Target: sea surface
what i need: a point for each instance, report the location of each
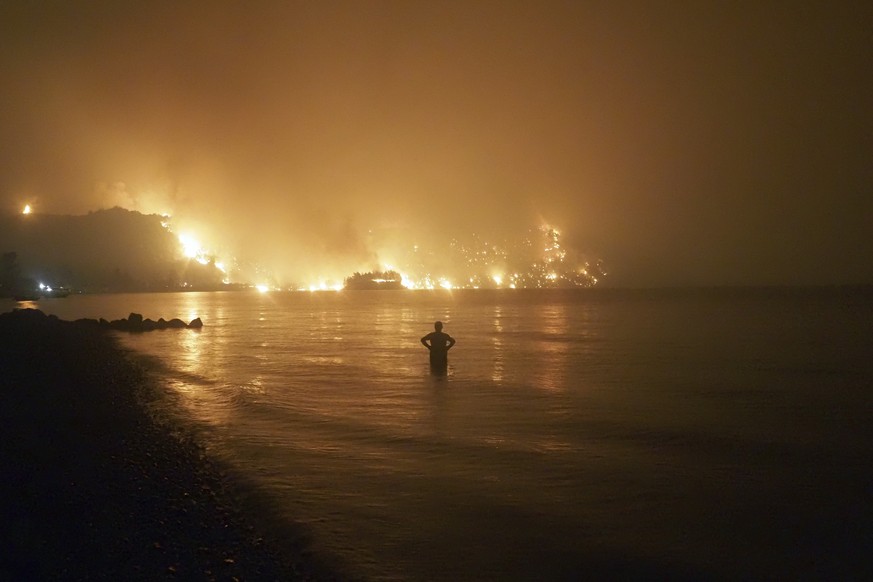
(701, 434)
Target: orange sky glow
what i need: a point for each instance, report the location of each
(678, 143)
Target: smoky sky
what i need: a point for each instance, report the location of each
(681, 142)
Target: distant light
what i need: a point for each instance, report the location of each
(27, 209)
(498, 279)
(262, 288)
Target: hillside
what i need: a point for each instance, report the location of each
(106, 250)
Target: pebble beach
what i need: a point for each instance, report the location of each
(94, 488)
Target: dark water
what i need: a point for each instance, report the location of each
(699, 434)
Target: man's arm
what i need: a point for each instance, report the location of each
(451, 343)
(424, 341)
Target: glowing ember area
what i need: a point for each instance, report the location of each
(27, 209)
(324, 286)
(538, 260)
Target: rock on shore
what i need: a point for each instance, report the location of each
(93, 488)
(136, 323)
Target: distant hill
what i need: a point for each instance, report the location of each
(106, 250)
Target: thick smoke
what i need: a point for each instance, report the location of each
(680, 144)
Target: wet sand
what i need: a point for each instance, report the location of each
(93, 487)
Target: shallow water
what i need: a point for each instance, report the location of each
(705, 434)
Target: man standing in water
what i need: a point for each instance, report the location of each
(439, 344)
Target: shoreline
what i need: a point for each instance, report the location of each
(95, 488)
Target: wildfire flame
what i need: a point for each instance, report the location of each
(537, 260)
(192, 248)
(27, 209)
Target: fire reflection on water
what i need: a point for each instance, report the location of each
(199, 353)
(497, 341)
(554, 346)
(531, 466)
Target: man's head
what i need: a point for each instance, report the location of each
(438, 325)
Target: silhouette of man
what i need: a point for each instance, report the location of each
(439, 344)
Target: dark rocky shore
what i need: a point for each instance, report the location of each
(93, 488)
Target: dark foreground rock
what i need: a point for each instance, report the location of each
(136, 323)
(91, 487)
